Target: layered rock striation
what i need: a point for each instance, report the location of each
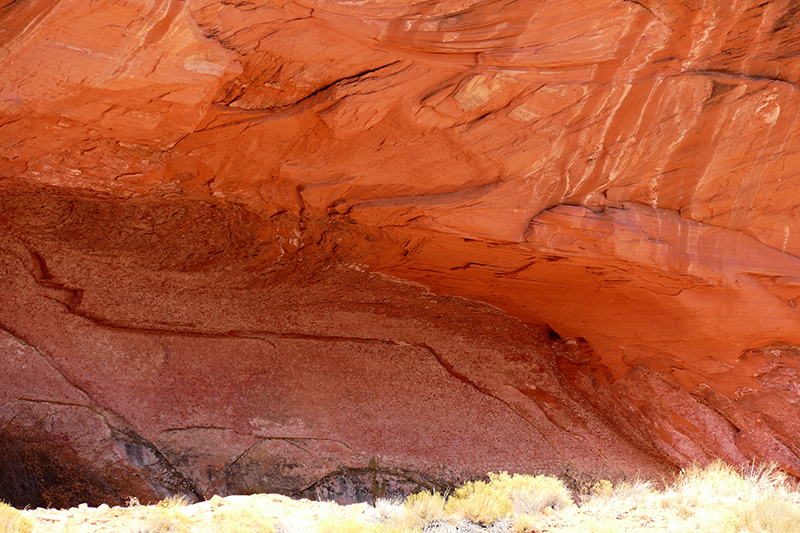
(340, 249)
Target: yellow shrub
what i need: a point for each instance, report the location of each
(12, 521)
(531, 494)
(603, 489)
(240, 519)
(166, 520)
(504, 495)
(421, 509)
(173, 502)
(480, 502)
(772, 514)
(525, 523)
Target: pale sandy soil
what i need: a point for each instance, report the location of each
(714, 499)
(593, 520)
(288, 514)
(300, 516)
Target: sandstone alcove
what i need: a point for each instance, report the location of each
(337, 249)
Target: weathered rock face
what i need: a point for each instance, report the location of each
(338, 248)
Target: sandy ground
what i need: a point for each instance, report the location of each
(288, 514)
(301, 516)
(713, 499)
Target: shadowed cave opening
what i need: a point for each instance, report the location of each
(356, 485)
(39, 471)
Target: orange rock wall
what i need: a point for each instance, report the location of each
(622, 173)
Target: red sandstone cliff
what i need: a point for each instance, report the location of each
(291, 246)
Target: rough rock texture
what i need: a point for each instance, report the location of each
(343, 248)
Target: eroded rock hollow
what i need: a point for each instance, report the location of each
(345, 249)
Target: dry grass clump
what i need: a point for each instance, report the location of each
(718, 499)
(503, 495)
(12, 521)
(426, 505)
(161, 520)
(770, 514)
(421, 509)
(165, 517)
(606, 494)
(386, 509)
(525, 523)
(479, 502)
(410, 516)
(348, 525)
(713, 499)
(241, 520)
(477, 505)
(531, 494)
(173, 502)
(355, 525)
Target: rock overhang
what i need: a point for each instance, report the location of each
(623, 174)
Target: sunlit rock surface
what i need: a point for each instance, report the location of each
(343, 248)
